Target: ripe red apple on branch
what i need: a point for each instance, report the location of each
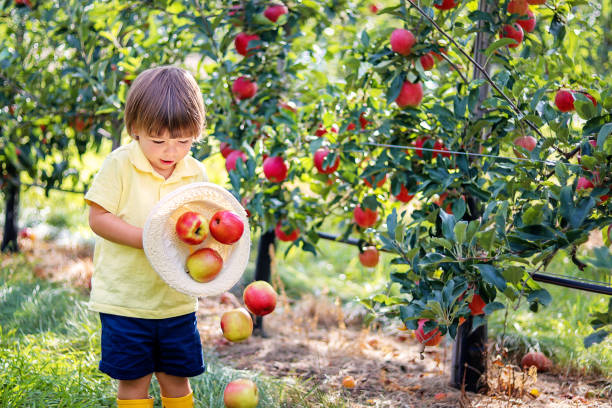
(226, 227)
(514, 32)
(365, 218)
(404, 196)
(518, 7)
(241, 393)
(275, 169)
(244, 88)
(445, 4)
(411, 95)
(192, 228)
(241, 42)
(564, 100)
(290, 237)
(477, 305)
(430, 338)
(319, 160)
(526, 142)
(204, 264)
(402, 41)
(369, 257)
(225, 149)
(528, 22)
(230, 161)
(260, 298)
(273, 12)
(236, 325)
(427, 61)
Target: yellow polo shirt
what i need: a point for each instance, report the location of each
(123, 282)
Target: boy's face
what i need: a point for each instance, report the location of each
(162, 152)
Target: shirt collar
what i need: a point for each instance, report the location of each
(140, 161)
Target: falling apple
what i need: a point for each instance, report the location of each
(275, 169)
(260, 298)
(192, 228)
(241, 393)
(369, 257)
(226, 227)
(204, 264)
(236, 325)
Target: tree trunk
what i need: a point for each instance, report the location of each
(11, 215)
(470, 350)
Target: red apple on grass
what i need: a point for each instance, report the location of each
(290, 237)
(241, 393)
(528, 22)
(410, 95)
(275, 169)
(431, 338)
(365, 218)
(260, 298)
(243, 88)
(514, 32)
(477, 305)
(526, 142)
(192, 228)
(230, 160)
(369, 257)
(402, 41)
(226, 227)
(445, 4)
(204, 264)
(236, 325)
(564, 100)
(273, 12)
(319, 160)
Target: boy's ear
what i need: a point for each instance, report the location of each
(135, 137)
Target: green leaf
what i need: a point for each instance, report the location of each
(486, 239)
(541, 296)
(513, 274)
(395, 88)
(603, 134)
(448, 225)
(492, 307)
(497, 45)
(459, 230)
(491, 275)
(596, 337)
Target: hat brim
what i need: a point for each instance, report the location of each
(168, 254)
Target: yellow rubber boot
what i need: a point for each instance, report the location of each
(135, 403)
(182, 402)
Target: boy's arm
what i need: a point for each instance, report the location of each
(113, 228)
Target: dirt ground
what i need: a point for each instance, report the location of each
(320, 343)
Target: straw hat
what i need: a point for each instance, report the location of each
(168, 254)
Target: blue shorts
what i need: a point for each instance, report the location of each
(134, 347)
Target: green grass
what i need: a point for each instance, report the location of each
(49, 353)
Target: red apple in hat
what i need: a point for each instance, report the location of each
(292, 236)
(192, 228)
(273, 12)
(410, 95)
(275, 169)
(402, 41)
(260, 298)
(226, 227)
(230, 161)
(319, 160)
(243, 88)
(241, 393)
(365, 218)
(204, 264)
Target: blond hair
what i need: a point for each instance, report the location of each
(163, 99)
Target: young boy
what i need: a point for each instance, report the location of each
(147, 327)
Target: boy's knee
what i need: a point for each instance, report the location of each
(134, 389)
(173, 386)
